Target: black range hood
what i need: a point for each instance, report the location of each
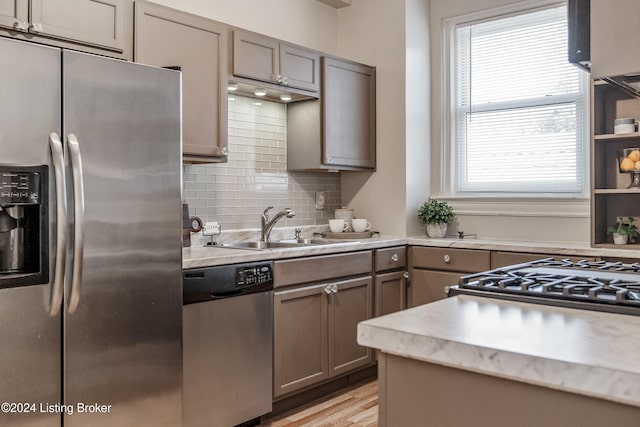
(579, 22)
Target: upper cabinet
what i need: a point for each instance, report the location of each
(170, 38)
(97, 26)
(337, 132)
(615, 37)
(268, 60)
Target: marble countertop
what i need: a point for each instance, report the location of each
(585, 352)
(560, 248)
(202, 256)
(207, 256)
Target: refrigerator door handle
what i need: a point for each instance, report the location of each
(57, 286)
(78, 210)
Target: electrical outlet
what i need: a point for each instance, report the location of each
(211, 229)
(320, 199)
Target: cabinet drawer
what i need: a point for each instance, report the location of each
(390, 258)
(463, 260)
(314, 269)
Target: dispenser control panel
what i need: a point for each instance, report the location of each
(19, 188)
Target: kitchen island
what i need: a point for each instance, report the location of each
(486, 362)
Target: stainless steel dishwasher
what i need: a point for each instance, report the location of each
(227, 344)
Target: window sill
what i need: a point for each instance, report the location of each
(519, 207)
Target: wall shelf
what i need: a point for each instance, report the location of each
(610, 197)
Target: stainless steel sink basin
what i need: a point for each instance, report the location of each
(260, 245)
(282, 244)
(306, 241)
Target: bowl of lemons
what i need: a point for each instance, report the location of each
(629, 162)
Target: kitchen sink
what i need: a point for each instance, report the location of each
(283, 244)
(260, 245)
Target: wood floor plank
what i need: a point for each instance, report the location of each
(354, 407)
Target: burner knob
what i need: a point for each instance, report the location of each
(446, 258)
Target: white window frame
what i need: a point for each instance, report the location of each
(564, 204)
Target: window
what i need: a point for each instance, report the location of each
(517, 107)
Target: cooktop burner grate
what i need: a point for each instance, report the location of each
(563, 281)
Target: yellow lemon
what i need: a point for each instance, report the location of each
(627, 164)
(634, 155)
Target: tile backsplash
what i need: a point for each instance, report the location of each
(235, 193)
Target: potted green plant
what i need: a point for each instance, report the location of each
(436, 215)
(622, 230)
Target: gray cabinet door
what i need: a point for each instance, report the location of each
(428, 285)
(348, 114)
(168, 37)
(300, 339)
(14, 14)
(391, 291)
(350, 302)
(255, 56)
(95, 22)
(615, 38)
(300, 67)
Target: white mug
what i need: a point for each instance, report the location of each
(359, 225)
(338, 225)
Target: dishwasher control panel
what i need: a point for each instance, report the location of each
(254, 275)
(226, 281)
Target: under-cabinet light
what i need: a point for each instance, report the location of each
(260, 92)
(232, 86)
(285, 98)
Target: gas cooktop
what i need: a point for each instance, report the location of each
(592, 285)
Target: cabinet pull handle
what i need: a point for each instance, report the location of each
(395, 257)
(21, 25)
(334, 288)
(327, 289)
(405, 275)
(446, 258)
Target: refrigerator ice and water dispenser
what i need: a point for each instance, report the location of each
(23, 225)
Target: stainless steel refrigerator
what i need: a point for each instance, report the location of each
(90, 240)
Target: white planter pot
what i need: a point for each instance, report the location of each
(619, 239)
(437, 230)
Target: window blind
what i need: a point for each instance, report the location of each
(518, 113)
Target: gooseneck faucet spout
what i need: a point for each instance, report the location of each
(267, 224)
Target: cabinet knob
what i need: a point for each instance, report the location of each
(278, 78)
(327, 289)
(334, 288)
(36, 27)
(446, 258)
(405, 275)
(285, 81)
(395, 257)
(224, 151)
(579, 52)
(21, 25)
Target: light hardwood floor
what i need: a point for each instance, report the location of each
(354, 407)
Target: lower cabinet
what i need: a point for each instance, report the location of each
(432, 269)
(390, 280)
(315, 332)
(391, 292)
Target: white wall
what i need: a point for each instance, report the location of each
(392, 35)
